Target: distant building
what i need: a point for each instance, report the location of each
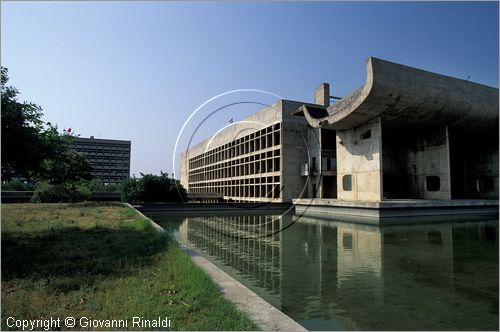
(110, 159)
(405, 134)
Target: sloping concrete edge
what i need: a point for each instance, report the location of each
(257, 309)
(155, 225)
(267, 317)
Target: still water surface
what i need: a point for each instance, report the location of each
(330, 275)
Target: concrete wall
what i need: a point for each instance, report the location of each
(294, 152)
(256, 121)
(432, 159)
(360, 158)
(184, 171)
(293, 147)
(410, 156)
(322, 94)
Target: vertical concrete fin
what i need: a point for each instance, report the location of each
(322, 95)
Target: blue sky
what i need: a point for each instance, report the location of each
(137, 70)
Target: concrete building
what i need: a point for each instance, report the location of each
(405, 134)
(412, 134)
(110, 159)
(259, 159)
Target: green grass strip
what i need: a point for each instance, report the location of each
(103, 261)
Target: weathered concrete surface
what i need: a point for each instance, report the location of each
(397, 203)
(292, 150)
(362, 160)
(322, 94)
(376, 212)
(425, 123)
(403, 95)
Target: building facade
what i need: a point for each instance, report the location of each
(405, 134)
(258, 159)
(109, 159)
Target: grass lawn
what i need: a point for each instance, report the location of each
(103, 261)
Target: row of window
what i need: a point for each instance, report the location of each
(236, 182)
(103, 159)
(108, 174)
(260, 140)
(240, 191)
(106, 146)
(237, 162)
(98, 164)
(265, 185)
(257, 168)
(104, 153)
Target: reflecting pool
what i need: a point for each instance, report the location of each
(330, 275)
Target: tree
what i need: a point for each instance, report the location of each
(64, 167)
(23, 133)
(68, 170)
(153, 188)
(36, 150)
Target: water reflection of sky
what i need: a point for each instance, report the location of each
(331, 275)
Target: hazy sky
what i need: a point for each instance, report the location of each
(137, 70)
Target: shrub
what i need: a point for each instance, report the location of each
(153, 188)
(95, 185)
(17, 185)
(131, 190)
(55, 193)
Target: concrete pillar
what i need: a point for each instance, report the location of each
(322, 94)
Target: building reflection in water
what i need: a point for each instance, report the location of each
(337, 275)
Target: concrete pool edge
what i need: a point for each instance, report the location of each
(258, 310)
(266, 316)
(388, 211)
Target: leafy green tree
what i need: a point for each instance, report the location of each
(68, 170)
(23, 135)
(153, 188)
(131, 190)
(36, 150)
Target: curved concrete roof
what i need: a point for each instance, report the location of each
(402, 95)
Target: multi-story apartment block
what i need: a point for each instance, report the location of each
(110, 159)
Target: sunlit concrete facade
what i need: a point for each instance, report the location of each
(412, 134)
(109, 158)
(259, 159)
(405, 134)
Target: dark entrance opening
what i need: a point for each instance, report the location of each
(329, 186)
(473, 164)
